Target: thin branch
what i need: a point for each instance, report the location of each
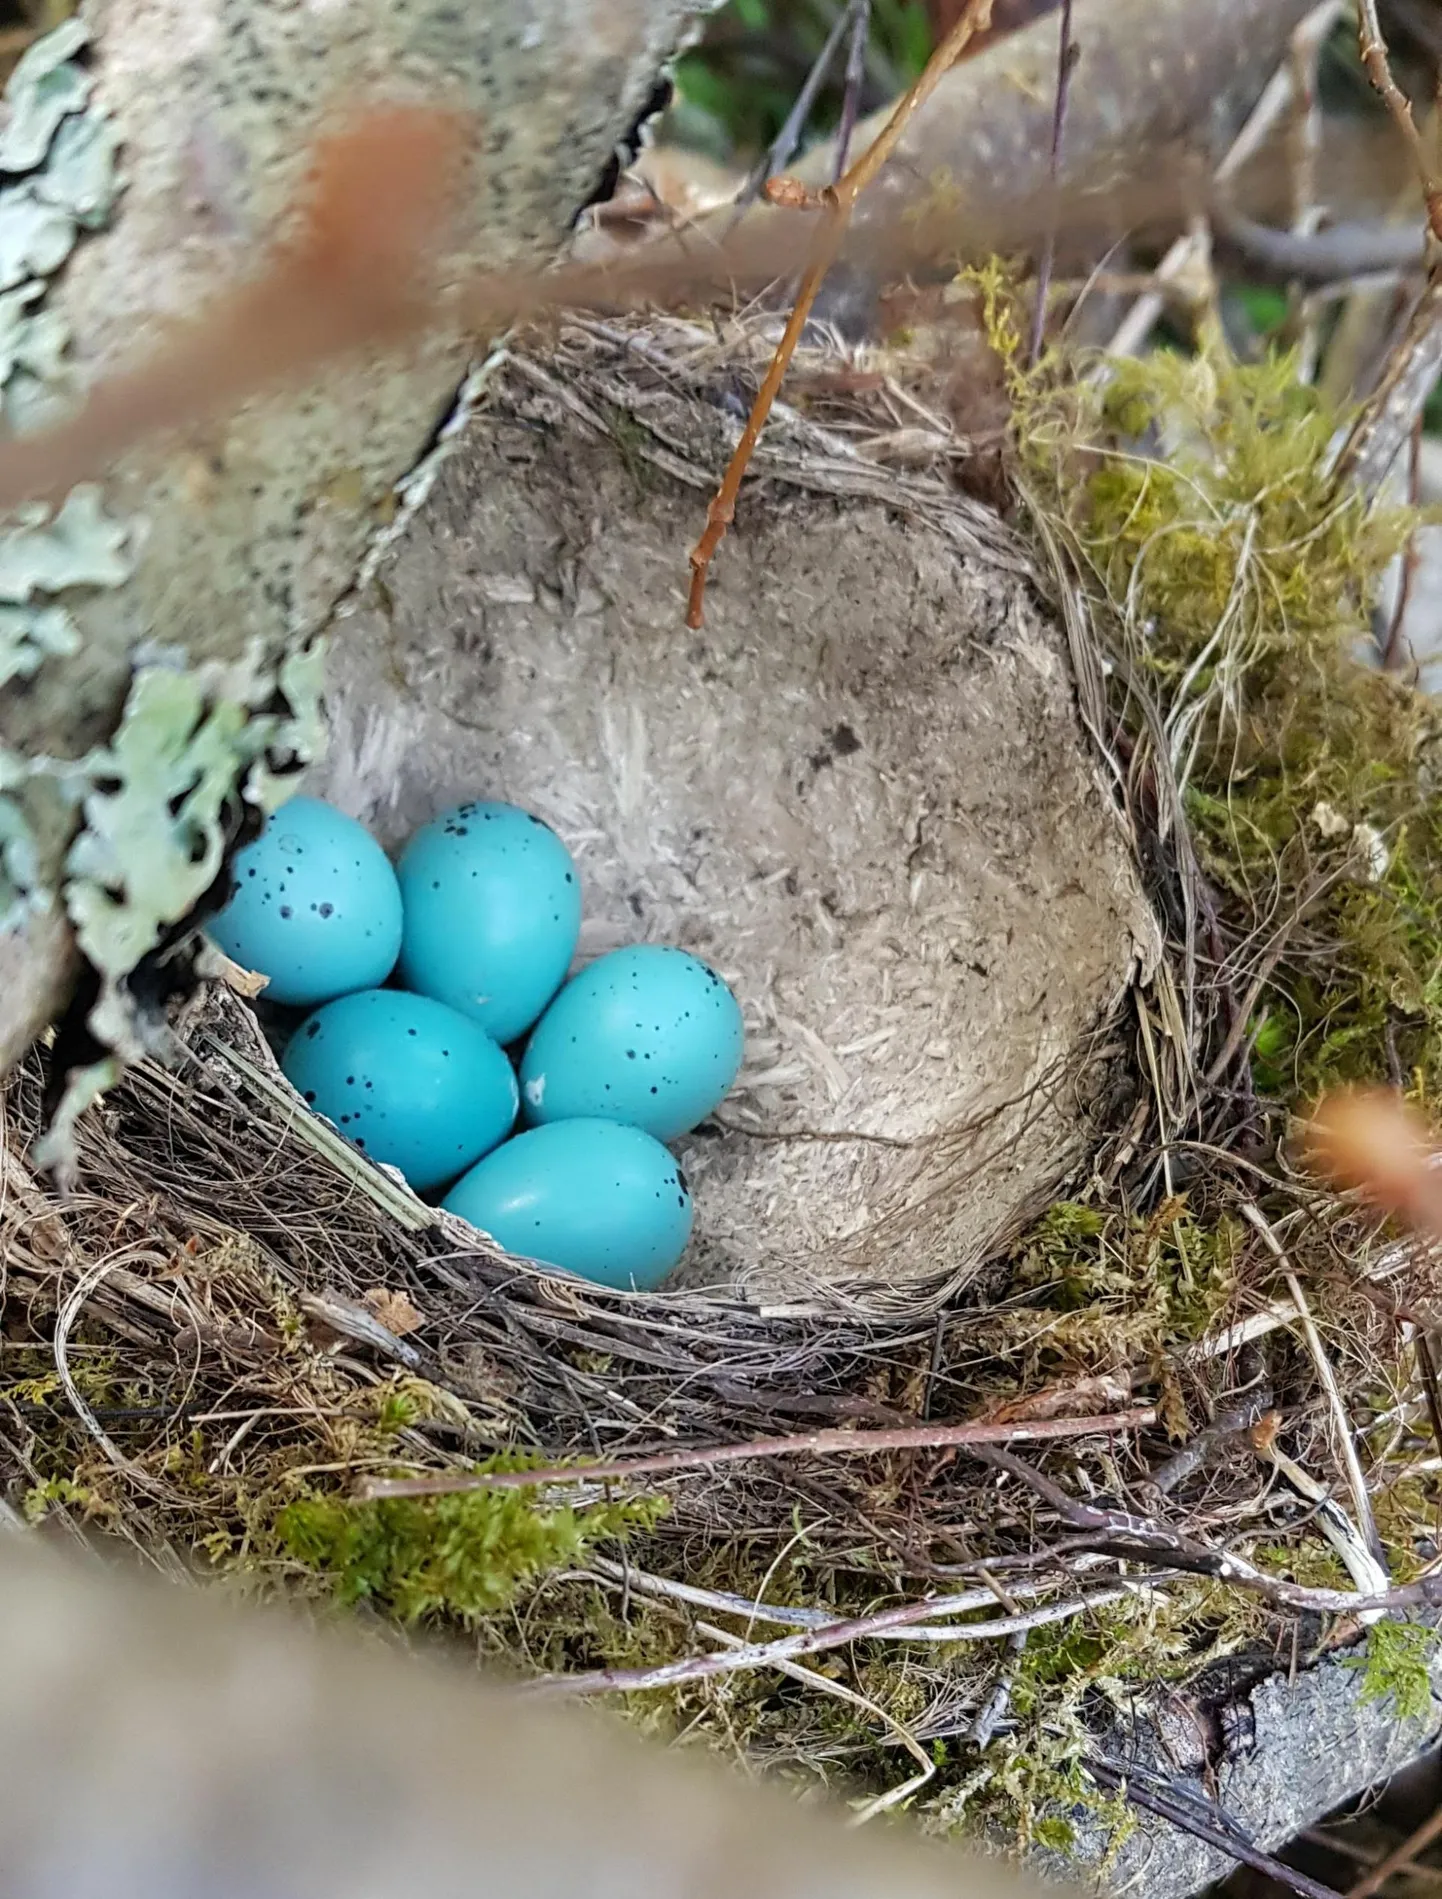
(1140, 1539)
(1395, 651)
(1068, 53)
(851, 94)
(782, 149)
(748, 1655)
(1395, 406)
(842, 1443)
(1372, 47)
(1180, 1813)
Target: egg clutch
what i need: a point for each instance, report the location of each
(441, 1013)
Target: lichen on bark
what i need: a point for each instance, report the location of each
(157, 644)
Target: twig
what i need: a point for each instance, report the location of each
(1392, 410)
(1346, 1445)
(1372, 47)
(809, 1444)
(1179, 1814)
(1362, 249)
(726, 1602)
(851, 94)
(1427, 1371)
(1394, 407)
(1229, 1423)
(1416, 1842)
(1068, 53)
(1140, 1539)
(1362, 1566)
(782, 149)
(906, 1615)
(1188, 254)
(835, 202)
(1395, 645)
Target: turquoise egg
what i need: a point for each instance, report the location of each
(604, 1202)
(316, 906)
(411, 1082)
(492, 912)
(645, 1035)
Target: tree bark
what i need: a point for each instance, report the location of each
(212, 565)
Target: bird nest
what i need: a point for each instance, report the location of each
(922, 1552)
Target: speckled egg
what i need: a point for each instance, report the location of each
(645, 1035)
(492, 912)
(316, 907)
(604, 1202)
(411, 1082)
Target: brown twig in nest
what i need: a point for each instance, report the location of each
(812, 1443)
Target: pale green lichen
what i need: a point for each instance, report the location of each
(46, 87)
(60, 156)
(153, 802)
(153, 837)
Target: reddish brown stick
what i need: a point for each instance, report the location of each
(812, 1443)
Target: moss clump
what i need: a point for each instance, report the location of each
(1241, 579)
(463, 1556)
(1128, 1282)
(1395, 1666)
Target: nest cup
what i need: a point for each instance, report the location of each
(862, 793)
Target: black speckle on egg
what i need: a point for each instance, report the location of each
(360, 1140)
(350, 1081)
(630, 1052)
(569, 878)
(312, 1031)
(310, 1096)
(327, 909)
(655, 1091)
(435, 883)
(680, 1200)
(410, 1031)
(251, 871)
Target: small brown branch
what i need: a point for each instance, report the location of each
(1068, 53)
(1372, 47)
(809, 1444)
(836, 202)
(1394, 408)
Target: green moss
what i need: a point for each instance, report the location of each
(1243, 579)
(1126, 1283)
(462, 1556)
(1396, 1666)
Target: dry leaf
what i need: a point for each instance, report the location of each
(393, 1310)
